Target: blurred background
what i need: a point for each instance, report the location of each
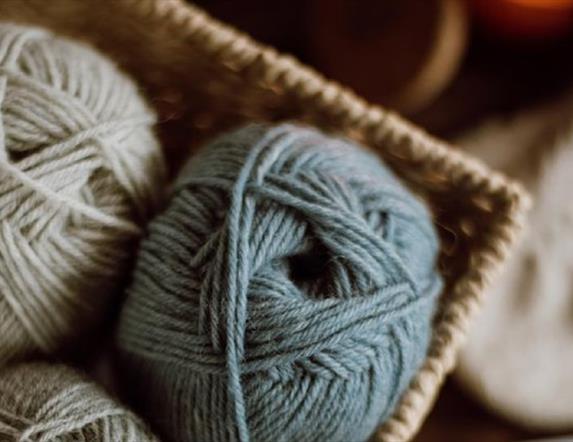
(444, 63)
(494, 77)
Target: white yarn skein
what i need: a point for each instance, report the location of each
(519, 354)
(80, 172)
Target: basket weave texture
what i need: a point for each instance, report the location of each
(204, 77)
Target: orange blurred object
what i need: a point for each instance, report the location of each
(526, 19)
(400, 53)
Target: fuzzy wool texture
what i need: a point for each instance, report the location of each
(41, 402)
(80, 173)
(285, 294)
(519, 354)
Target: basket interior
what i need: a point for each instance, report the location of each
(199, 91)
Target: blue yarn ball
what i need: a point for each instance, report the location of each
(286, 294)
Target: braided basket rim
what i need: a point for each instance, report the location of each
(238, 52)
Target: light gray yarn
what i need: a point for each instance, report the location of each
(40, 402)
(80, 171)
(285, 295)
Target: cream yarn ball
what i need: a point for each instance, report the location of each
(41, 402)
(80, 172)
(519, 356)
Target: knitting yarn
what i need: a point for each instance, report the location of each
(42, 402)
(80, 170)
(285, 294)
(519, 354)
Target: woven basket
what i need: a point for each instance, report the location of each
(204, 77)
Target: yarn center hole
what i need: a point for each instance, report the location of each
(308, 268)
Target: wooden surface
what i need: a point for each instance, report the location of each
(458, 418)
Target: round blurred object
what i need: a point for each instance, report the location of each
(400, 53)
(525, 19)
(519, 354)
